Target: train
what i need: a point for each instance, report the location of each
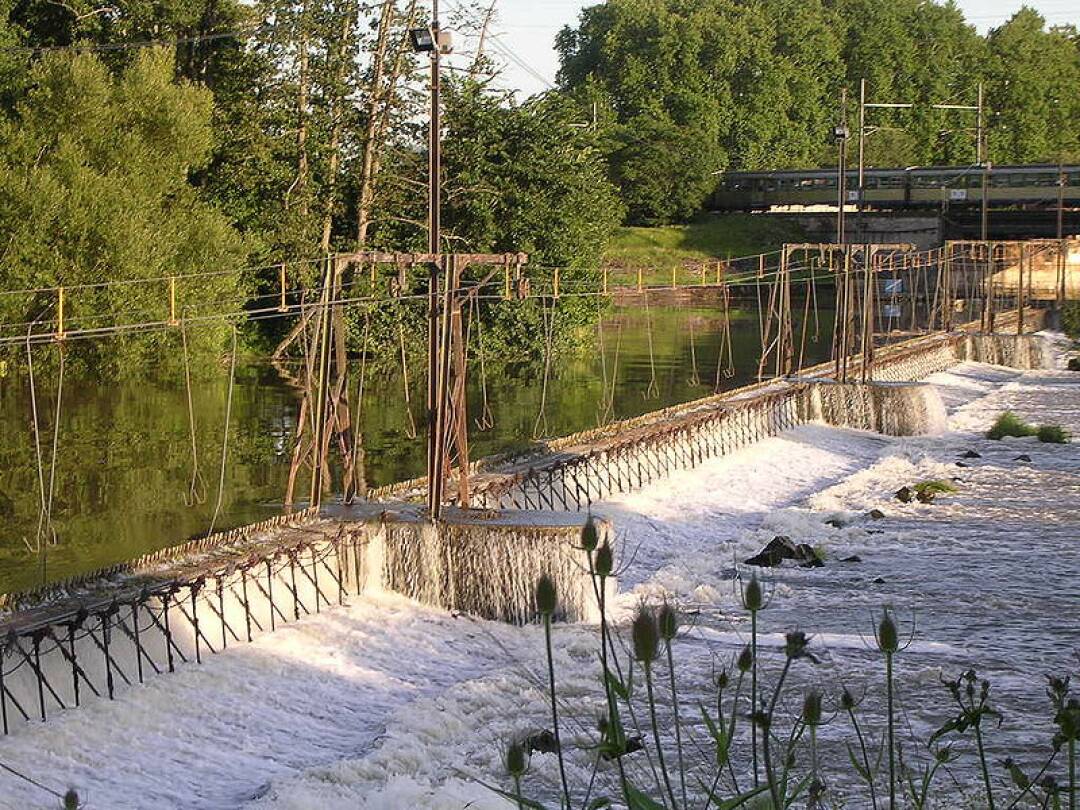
(914, 187)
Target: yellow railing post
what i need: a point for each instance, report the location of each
(640, 280)
(172, 301)
(555, 283)
(605, 279)
(60, 313)
(282, 305)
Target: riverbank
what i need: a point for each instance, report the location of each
(389, 705)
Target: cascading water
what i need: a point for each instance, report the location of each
(1015, 351)
(486, 569)
(895, 409)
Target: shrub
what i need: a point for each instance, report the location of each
(1053, 434)
(934, 486)
(1009, 424)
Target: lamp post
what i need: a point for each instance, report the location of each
(841, 134)
(433, 41)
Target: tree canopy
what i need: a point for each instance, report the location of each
(689, 88)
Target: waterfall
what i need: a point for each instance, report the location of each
(895, 409)
(1014, 351)
(485, 568)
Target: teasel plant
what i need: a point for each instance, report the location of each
(666, 766)
(754, 600)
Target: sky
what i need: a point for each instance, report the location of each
(526, 31)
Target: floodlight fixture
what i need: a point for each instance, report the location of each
(423, 41)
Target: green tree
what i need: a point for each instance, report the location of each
(659, 64)
(94, 188)
(1033, 77)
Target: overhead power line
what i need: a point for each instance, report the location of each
(149, 43)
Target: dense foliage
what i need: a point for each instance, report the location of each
(691, 87)
(282, 130)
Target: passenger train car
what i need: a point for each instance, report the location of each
(1034, 186)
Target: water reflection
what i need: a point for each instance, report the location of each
(124, 459)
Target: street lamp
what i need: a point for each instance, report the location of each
(841, 134)
(422, 40)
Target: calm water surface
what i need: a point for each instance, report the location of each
(124, 462)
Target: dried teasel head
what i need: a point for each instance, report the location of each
(646, 636)
(745, 660)
(888, 639)
(668, 621)
(605, 560)
(590, 536)
(516, 760)
(546, 597)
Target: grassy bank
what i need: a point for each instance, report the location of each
(682, 247)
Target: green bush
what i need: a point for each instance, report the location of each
(935, 486)
(1053, 434)
(1009, 424)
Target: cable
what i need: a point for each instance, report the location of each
(33, 782)
(149, 43)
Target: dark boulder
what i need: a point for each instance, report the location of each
(971, 454)
(878, 580)
(905, 494)
(854, 558)
(782, 548)
(925, 495)
(1074, 364)
(542, 742)
(876, 514)
(1023, 457)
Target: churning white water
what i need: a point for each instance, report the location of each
(388, 704)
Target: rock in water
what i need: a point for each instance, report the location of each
(905, 494)
(781, 548)
(854, 558)
(1024, 457)
(1074, 364)
(543, 742)
(876, 514)
(925, 495)
(971, 454)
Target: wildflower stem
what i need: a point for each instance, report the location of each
(678, 724)
(656, 733)
(891, 727)
(767, 732)
(555, 711)
(865, 757)
(982, 764)
(600, 589)
(1072, 774)
(753, 693)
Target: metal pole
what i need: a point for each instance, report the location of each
(841, 179)
(1062, 180)
(862, 153)
(434, 398)
(322, 388)
(985, 163)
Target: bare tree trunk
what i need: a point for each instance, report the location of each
(479, 60)
(302, 93)
(337, 114)
(380, 104)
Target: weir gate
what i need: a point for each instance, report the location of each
(91, 637)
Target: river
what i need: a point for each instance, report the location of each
(124, 462)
